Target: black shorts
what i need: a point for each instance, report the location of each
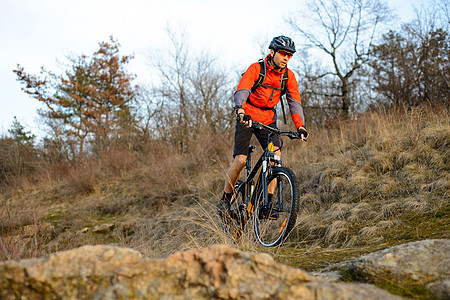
(243, 135)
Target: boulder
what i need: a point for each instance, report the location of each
(103, 228)
(217, 272)
(423, 264)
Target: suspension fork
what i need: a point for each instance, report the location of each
(253, 188)
(265, 186)
(261, 184)
(266, 166)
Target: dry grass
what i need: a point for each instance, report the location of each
(385, 167)
(364, 183)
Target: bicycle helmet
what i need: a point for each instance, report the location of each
(282, 43)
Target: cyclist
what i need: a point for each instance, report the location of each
(259, 105)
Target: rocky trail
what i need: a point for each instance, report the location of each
(221, 272)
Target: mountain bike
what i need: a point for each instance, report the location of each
(273, 213)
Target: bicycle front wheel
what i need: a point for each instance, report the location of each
(274, 219)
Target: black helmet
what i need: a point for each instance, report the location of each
(282, 43)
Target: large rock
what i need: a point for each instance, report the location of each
(218, 272)
(418, 264)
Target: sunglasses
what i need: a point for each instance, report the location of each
(286, 54)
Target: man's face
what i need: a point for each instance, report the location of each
(281, 57)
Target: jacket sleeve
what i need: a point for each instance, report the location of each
(294, 101)
(245, 85)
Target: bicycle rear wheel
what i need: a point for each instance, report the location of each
(274, 221)
(234, 221)
(238, 207)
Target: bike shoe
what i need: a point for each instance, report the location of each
(224, 209)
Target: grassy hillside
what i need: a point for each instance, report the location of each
(367, 184)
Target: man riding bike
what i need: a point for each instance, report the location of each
(255, 100)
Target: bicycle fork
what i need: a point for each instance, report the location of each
(270, 158)
(261, 179)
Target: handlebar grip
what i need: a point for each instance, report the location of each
(256, 125)
(293, 136)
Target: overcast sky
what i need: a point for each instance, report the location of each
(35, 33)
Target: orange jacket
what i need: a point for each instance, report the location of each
(261, 104)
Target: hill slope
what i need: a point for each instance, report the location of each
(375, 182)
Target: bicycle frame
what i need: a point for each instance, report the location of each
(271, 220)
(261, 169)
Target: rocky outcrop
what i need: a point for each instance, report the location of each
(423, 264)
(218, 272)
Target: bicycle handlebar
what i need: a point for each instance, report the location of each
(290, 134)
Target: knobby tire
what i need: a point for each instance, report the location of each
(273, 223)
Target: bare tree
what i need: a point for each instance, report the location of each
(412, 66)
(430, 16)
(194, 94)
(212, 96)
(172, 92)
(344, 31)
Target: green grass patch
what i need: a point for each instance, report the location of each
(317, 258)
(429, 225)
(412, 292)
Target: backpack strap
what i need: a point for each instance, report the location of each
(259, 82)
(284, 79)
(262, 75)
